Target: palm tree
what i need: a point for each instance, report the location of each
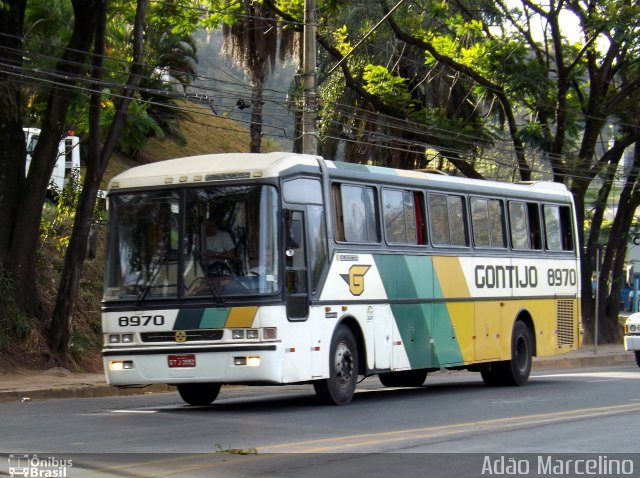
(254, 42)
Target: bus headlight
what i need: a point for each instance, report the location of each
(247, 361)
(237, 334)
(117, 365)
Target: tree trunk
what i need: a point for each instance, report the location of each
(61, 328)
(22, 258)
(12, 142)
(255, 130)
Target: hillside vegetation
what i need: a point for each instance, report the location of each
(205, 133)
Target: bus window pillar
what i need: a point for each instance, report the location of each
(297, 297)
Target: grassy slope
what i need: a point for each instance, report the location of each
(206, 134)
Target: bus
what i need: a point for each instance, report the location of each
(67, 163)
(334, 271)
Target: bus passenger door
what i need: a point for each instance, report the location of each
(296, 281)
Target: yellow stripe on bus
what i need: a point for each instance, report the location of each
(450, 276)
(454, 285)
(241, 316)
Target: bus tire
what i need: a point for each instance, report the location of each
(199, 393)
(339, 388)
(638, 357)
(490, 373)
(516, 371)
(403, 378)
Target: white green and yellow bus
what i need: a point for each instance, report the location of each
(331, 271)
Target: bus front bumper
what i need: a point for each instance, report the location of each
(632, 342)
(226, 364)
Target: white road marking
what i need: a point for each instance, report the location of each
(597, 375)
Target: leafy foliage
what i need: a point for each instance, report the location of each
(14, 325)
(58, 214)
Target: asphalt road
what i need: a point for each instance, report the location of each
(450, 426)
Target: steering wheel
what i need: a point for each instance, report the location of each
(218, 269)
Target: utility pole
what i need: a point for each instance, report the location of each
(309, 133)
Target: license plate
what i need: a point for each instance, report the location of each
(181, 361)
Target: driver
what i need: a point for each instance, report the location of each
(219, 242)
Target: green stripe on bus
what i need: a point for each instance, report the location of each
(426, 330)
(215, 318)
(192, 319)
(188, 319)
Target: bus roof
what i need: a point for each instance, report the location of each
(241, 166)
(210, 167)
(531, 189)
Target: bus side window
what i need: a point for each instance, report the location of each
(337, 213)
(558, 230)
(487, 221)
(518, 226)
(480, 222)
(457, 222)
(496, 223)
(359, 214)
(552, 227)
(525, 225)
(534, 225)
(438, 219)
(447, 220)
(566, 229)
(402, 216)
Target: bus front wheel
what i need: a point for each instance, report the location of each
(638, 357)
(199, 393)
(339, 388)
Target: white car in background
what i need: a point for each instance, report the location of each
(632, 335)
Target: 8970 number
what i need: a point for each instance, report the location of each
(561, 277)
(140, 320)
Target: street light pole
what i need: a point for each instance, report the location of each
(309, 133)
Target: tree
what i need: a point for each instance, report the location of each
(546, 94)
(25, 198)
(61, 327)
(253, 41)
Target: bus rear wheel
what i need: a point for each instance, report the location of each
(404, 378)
(339, 388)
(516, 371)
(199, 393)
(491, 374)
(638, 357)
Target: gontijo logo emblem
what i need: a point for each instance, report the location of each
(355, 278)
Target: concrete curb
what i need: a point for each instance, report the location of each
(584, 361)
(79, 391)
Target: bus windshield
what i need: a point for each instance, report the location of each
(206, 242)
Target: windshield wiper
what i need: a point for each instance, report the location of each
(152, 280)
